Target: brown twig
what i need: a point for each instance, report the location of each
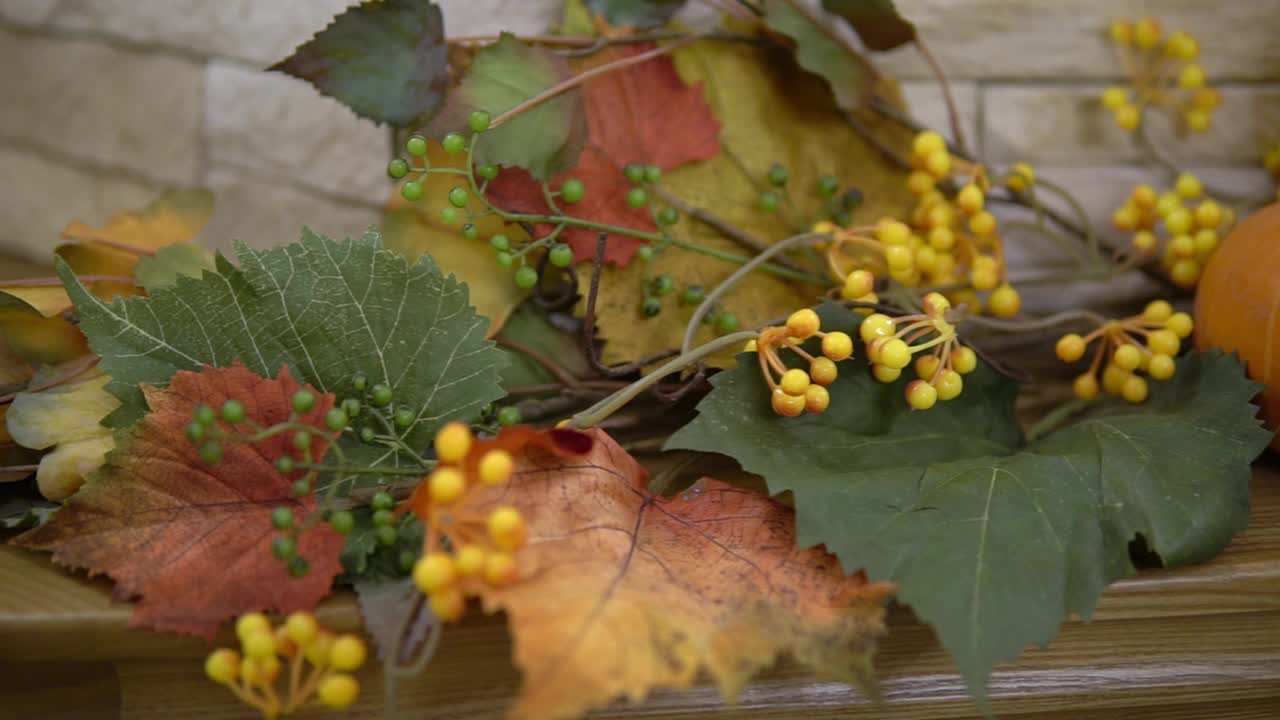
(726, 228)
(44, 281)
(953, 115)
(589, 324)
(565, 378)
(83, 365)
(880, 146)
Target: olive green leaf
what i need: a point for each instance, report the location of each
(821, 52)
(877, 22)
(636, 13)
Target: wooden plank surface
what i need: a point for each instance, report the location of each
(1195, 642)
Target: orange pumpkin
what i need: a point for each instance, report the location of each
(1238, 303)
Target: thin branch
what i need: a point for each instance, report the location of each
(82, 365)
(53, 281)
(953, 115)
(880, 146)
(565, 378)
(589, 324)
(729, 230)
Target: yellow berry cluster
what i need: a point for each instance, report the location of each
(251, 674)
(794, 390)
(1192, 225)
(464, 548)
(1126, 356)
(1163, 73)
(938, 373)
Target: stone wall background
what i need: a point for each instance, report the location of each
(107, 102)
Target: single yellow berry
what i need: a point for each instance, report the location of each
(857, 284)
(1004, 301)
(434, 572)
(507, 528)
(1181, 46)
(1121, 32)
(942, 238)
(1115, 97)
(1143, 196)
(1197, 120)
(1206, 99)
(1127, 357)
(794, 381)
(1113, 379)
(823, 371)
(1126, 218)
(870, 298)
(884, 373)
(446, 485)
(899, 257)
(317, 652)
(338, 690)
(935, 304)
(301, 628)
(940, 215)
(816, 399)
(1191, 77)
(926, 259)
(222, 666)
(920, 182)
(1134, 389)
(1168, 203)
(1160, 367)
(926, 366)
(1180, 324)
(448, 605)
(927, 142)
(1157, 311)
(1021, 177)
(1178, 222)
(499, 569)
(944, 268)
(470, 560)
(251, 623)
(938, 163)
(1164, 342)
(803, 323)
(983, 224)
(895, 354)
(259, 644)
(837, 346)
(921, 395)
(892, 232)
(1145, 242)
(1127, 117)
(949, 385)
(1085, 386)
(1208, 214)
(785, 404)
(260, 671)
(453, 442)
(1182, 246)
(1146, 33)
(874, 326)
(495, 467)
(970, 199)
(1205, 241)
(750, 346)
(984, 278)
(964, 360)
(1185, 272)
(1188, 186)
(348, 653)
(1070, 347)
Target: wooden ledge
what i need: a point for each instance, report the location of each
(1195, 642)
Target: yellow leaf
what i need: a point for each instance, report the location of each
(27, 333)
(770, 112)
(113, 249)
(414, 228)
(64, 416)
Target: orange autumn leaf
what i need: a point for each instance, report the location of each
(191, 542)
(620, 592)
(114, 249)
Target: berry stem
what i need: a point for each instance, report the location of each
(363, 469)
(1056, 417)
(953, 115)
(1090, 237)
(1044, 323)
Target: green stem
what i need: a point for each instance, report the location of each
(1044, 323)
(1091, 238)
(616, 401)
(361, 470)
(1055, 417)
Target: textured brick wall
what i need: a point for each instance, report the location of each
(108, 101)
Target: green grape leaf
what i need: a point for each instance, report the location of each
(545, 140)
(384, 60)
(990, 540)
(162, 269)
(638, 14)
(877, 22)
(327, 309)
(820, 52)
(532, 328)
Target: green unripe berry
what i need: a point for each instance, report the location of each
(382, 500)
(382, 518)
(303, 401)
(351, 407)
(852, 199)
(284, 547)
(500, 242)
(828, 185)
(662, 284)
(453, 143)
(380, 395)
(668, 216)
(204, 415)
(842, 218)
(367, 434)
(342, 522)
(282, 518)
(336, 419)
(416, 146)
(645, 253)
(478, 121)
(726, 323)
(651, 307)
(769, 201)
(637, 197)
(572, 190)
(561, 256)
(652, 173)
(298, 566)
(458, 197)
(470, 232)
(194, 431)
(398, 168)
(211, 452)
(300, 487)
(404, 417)
(488, 171)
(411, 191)
(407, 559)
(526, 277)
(694, 295)
(448, 215)
(509, 415)
(777, 175)
(385, 535)
(302, 439)
(504, 259)
(634, 172)
(359, 382)
(284, 464)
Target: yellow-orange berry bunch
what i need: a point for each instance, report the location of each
(942, 359)
(1163, 72)
(463, 547)
(794, 390)
(1182, 221)
(956, 240)
(1128, 348)
(252, 673)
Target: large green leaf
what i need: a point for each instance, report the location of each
(327, 309)
(635, 13)
(545, 140)
(821, 52)
(384, 60)
(991, 541)
(877, 22)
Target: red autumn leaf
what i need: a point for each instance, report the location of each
(192, 541)
(643, 113)
(620, 592)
